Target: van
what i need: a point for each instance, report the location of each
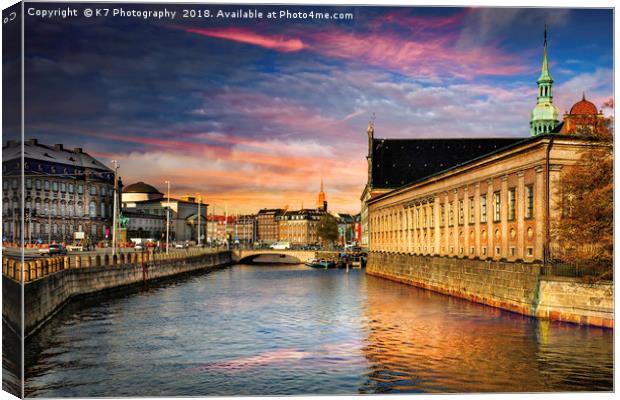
(280, 246)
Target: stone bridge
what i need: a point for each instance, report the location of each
(277, 256)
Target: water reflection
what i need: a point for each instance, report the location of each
(423, 341)
(258, 330)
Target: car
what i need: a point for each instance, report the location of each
(280, 246)
(181, 246)
(53, 249)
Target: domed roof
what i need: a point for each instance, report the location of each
(583, 107)
(140, 187)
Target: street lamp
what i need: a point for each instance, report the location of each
(199, 233)
(114, 212)
(167, 216)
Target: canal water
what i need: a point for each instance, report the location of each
(277, 330)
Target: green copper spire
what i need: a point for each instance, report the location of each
(545, 114)
(544, 71)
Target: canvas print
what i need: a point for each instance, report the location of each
(212, 199)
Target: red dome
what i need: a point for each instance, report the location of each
(583, 107)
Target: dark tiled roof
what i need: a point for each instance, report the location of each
(397, 162)
(141, 187)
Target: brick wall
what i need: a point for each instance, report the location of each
(512, 286)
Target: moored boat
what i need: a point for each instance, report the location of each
(318, 263)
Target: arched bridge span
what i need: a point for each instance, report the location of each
(284, 256)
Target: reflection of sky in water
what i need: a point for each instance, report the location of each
(295, 330)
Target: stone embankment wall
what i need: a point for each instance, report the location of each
(513, 286)
(51, 282)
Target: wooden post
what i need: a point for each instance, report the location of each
(39, 268)
(78, 261)
(66, 264)
(88, 262)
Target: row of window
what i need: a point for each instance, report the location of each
(425, 216)
(69, 210)
(55, 186)
(65, 230)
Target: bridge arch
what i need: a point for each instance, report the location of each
(273, 256)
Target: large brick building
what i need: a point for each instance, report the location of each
(65, 191)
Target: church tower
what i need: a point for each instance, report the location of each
(321, 203)
(545, 114)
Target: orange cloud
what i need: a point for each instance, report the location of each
(279, 43)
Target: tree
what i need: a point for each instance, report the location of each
(327, 229)
(585, 229)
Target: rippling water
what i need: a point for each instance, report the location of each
(294, 330)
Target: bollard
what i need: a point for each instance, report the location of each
(114, 260)
(5, 266)
(88, 262)
(78, 261)
(98, 260)
(39, 268)
(66, 262)
(106, 260)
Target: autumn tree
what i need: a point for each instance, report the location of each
(327, 229)
(585, 229)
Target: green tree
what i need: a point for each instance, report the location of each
(328, 229)
(585, 230)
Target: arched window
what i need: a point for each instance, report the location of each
(92, 209)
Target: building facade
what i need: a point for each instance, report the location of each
(501, 206)
(245, 229)
(267, 225)
(65, 191)
(300, 227)
(141, 199)
(221, 228)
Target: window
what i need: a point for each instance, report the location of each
(54, 186)
(461, 213)
(71, 188)
(497, 207)
(451, 214)
(92, 209)
(424, 212)
(14, 183)
(93, 230)
(529, 201)
(37, 184)
(103, 191)
(472, 210)
(80, 189)
(28, 183)
(5, 184)
(512, 195)
(93, 190)
(63, 187)
(483, 208)
(432, 217)
(46, 185)
(442, 215)
(103, 210)
(417, 212)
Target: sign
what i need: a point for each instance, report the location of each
(79, 235)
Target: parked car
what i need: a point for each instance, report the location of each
(181, 245)
(280, 246)
(53, 249)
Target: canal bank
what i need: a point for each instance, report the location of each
(52, 282)
(514, 286)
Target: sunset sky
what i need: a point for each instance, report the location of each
(254, 113)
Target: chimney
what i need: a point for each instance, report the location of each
(77, 150)
(58, 146)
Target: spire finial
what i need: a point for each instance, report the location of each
(583, 97)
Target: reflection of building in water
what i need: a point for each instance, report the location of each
(418, 340)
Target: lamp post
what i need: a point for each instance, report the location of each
(199, 233)
(115, 206)
(168, 217)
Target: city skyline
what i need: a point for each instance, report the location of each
(237, 109)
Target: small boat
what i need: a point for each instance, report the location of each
(317, 263)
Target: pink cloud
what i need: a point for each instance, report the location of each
(278, 43)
